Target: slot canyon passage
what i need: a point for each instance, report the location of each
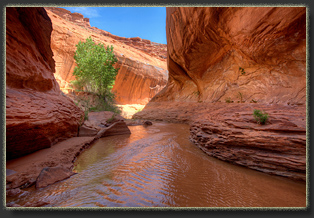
(186, 136)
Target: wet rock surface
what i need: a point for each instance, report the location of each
(51, 175)
(28, 167)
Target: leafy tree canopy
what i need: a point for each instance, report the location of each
(95, 70)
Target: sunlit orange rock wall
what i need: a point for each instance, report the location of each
(142, 63)
(37, 114)
(207, 47)
(137, 83)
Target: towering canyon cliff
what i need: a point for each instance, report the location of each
(142, 63)
(215, 53)
(225, 62)
(37, 114)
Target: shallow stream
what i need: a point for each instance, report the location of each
(157, 166)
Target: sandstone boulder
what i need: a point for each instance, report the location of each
(98, 120)
(87, 131)
(118, 128)
(51, 175)
(147, 123)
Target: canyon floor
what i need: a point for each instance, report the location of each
(24, 172)
(225, 131)
(229, 132)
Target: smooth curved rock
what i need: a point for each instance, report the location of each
(216, 52)
(37, 114)
(147, 123)
(117, 128)
(51, 175)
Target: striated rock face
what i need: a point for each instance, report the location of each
(279, 147)
(215, 53)
(230, 133)
(137, 82)
(37, 114)
(142, 63)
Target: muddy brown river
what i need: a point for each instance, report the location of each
(157, 166)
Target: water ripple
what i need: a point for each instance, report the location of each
(158, 166)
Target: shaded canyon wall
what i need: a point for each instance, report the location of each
(37, 114)
(142, 63)
(215, 53)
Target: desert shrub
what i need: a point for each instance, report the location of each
(260, 116)
(109, 120)
(228, 100)
(86, 115)
(105, 105)
(242, 70)
(240, 95)
(77, 85)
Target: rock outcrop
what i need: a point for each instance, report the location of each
(231, 134)
(37, 114)
(51, 175)
(216, 52)
(103, 123)
(142, 63)
(117, 128)
(252, 57)
(47, 166)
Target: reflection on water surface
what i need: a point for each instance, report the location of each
(157, 166)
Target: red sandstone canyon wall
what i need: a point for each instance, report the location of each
(37, 114)
(254, 57)
(143, 67)
(208, 48)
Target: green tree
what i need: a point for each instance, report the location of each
(95, 68)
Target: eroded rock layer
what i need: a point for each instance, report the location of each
(137, 82)
(142, 63)
(230, 133)
(37, 114)
(215, 53)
